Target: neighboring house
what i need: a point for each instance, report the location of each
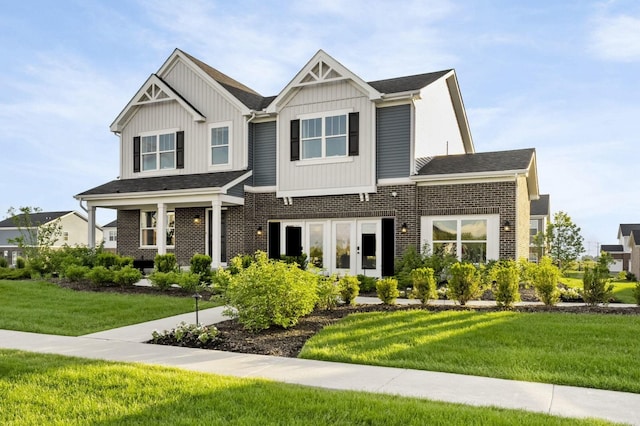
(347, 171)
(110, 232)
(74, 231)
(634, 244)
(540, 211)
(622, 252)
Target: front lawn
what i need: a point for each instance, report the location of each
(43, 307)
(588, 350)
(622, 289)
(48, 389)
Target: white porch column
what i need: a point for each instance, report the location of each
(161, 228)
(91, 223)
(216, 234)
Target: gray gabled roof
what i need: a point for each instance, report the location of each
(112, 224)
(540, 207)
(635, 236)
(408, 83)
(519, 159)
(165, 183)
(627, 228)
(612, 248)
(36, 218)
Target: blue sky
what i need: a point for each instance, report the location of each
(559, 76)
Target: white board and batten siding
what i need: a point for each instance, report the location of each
(170, 115)
(350, 175)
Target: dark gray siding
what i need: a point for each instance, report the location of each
(238, 190)
(263, 154)
(393, 136)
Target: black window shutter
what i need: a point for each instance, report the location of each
(295, 140)
(136, 154)
(180, 150)
(354, 126)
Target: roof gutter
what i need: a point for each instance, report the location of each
(410, 94)
(471, 175)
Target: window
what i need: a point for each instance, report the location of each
(113, 235)
(65, 236)
(324, 137)
(158, 152)
(148, 230)
(316, 244)
(220, 148)
(468, 238)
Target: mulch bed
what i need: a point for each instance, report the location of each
(278, 341)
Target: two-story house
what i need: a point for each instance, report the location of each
(623, 252)
(540, 217)
(73, 231)
(347, 171)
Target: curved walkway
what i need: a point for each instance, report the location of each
(124, 345)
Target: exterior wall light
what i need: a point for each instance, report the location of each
(404, 228)
(196, 219)
(507, 226)
(259, 231)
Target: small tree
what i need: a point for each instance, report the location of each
(424, 284)
(545, 280)
(464, 283)
(507, 277)
(564, 242)
(596, 282)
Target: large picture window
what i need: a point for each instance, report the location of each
(158, 151)
(468, 238)
(148, 228)
(323, 137)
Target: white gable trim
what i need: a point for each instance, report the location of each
(154, 90)
(322, 68)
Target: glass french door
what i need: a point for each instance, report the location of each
(356, 247)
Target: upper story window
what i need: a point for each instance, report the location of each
(162, 150)
(148, 228)
(220, 145)
(113, 235)
(334, 134)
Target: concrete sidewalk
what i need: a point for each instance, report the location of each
(125, 345)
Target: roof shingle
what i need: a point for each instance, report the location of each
(519, 159)
(36, 218)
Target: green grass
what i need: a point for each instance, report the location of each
(49, 389)
(43, 307)
(597, 351)
(622, 289)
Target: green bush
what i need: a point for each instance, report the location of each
(270, 292)
(240, 263)
(190, 335)
(3, 262)
(387, 290)
(349, 288)
(14, 274)
(201, 265)
(367, 284)
(424, 284)
(636, 293)
(100, 275)
(630, 276)
(127, 276)
(125, 261)
(189, 281)
(76, 273)
(165, 262)
(220, 280)
(464, 283)
(545, 277)
(107, 259)
(302, 260)
(20, 263)
(411, 259)
(328, 293)
(506, 274)
(163, 280)
(596, 286)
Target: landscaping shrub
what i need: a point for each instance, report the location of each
(3, 262)
(76, 273)
(14, 274)
(127, 276)
(301, 260)
(189, 335)
(545, 281)
(424, 284)
(464, 283)
(597, 288)
(387, 290)
(636, 293)
(201, 265)
(20, 263)
(240, 263)
(527, 272)
(163, 280)
(189, 281)
(349, 288)
(630, 276)
(125, 261)
(411, 259)
(328, 293)
(570, 294)
(367, 284)
(507, 277)
(220, 280)
(440, 263)
(270, 292)
(165, 262)
(107, 259)
(100, 275)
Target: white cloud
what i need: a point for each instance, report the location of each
(616, 38)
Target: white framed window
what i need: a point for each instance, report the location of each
(472, 238)
(158, 150)
(65, 236)
(324, 136)
(112, 235)
(220, 135)
(148, 228)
